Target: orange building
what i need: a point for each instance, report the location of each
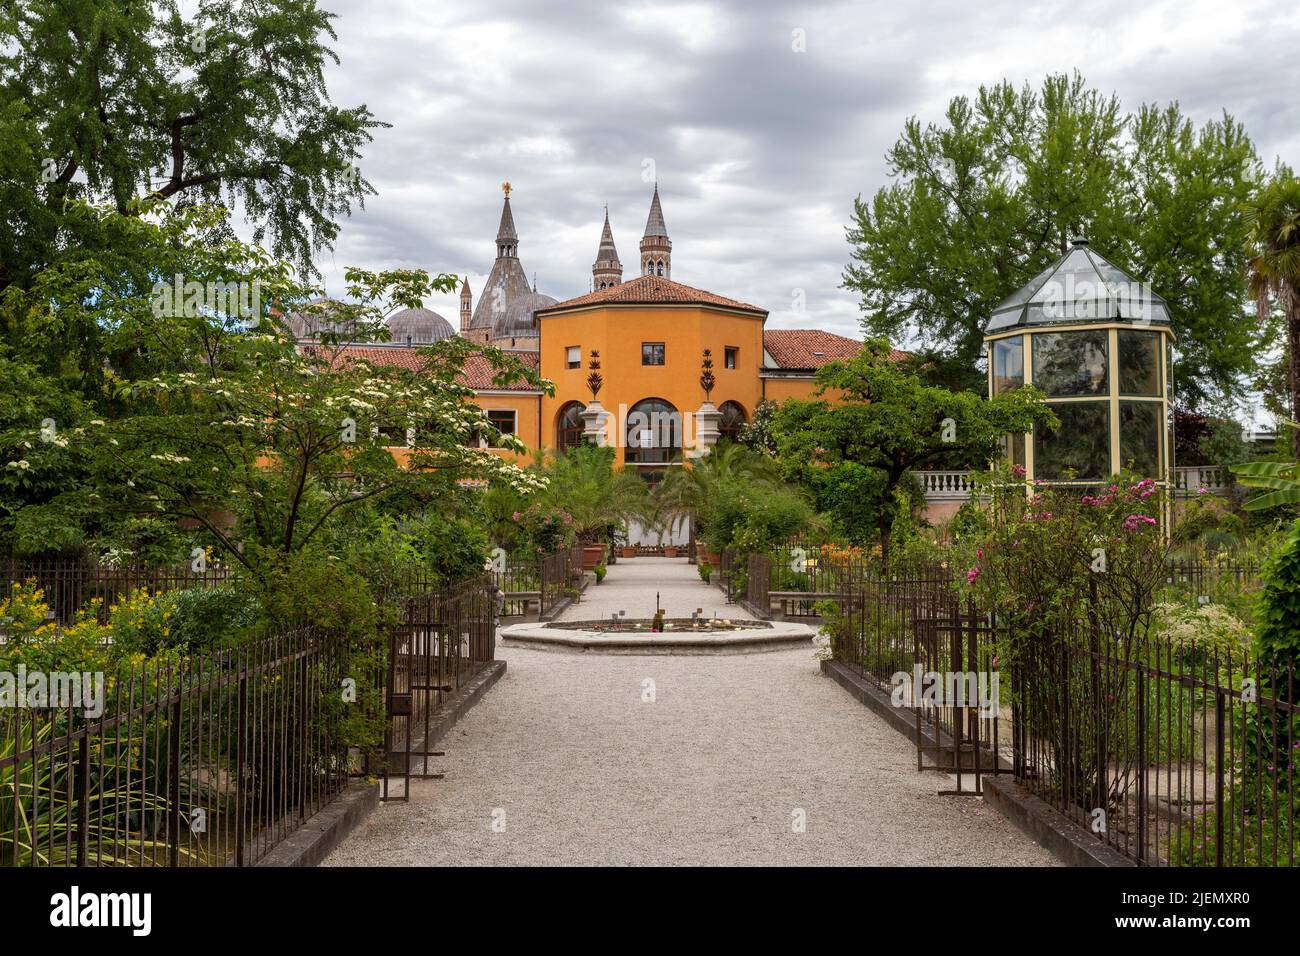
(649, 333)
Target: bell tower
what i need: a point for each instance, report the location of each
(656, 247)
(466, 305)
(606, 271)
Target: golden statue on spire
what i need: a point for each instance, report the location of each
(505, 188)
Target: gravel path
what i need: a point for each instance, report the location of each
(570, 759)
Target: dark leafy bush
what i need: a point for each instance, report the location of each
(212, 617)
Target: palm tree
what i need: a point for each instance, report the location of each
(1280, 478)
(1274, 269)
(684, 491)
(584, 483)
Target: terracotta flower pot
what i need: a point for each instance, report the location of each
(670, 551)
(628, 552)
(592, 555)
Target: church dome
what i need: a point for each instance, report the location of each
(518, 321)
(312, 318)
(418, 327)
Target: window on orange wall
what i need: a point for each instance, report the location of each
(569, 426)
(652, 353)
(733, 421)
(573, 356)
(503, 420)
(729, 356)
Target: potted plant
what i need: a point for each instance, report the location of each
(593, 553)
(627, 551)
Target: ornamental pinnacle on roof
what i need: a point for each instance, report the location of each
(507, 238)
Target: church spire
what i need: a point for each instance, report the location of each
(656, 247)
(505, 283)
(507, 238)
(606, 271)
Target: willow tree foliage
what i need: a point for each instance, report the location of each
(224, 104)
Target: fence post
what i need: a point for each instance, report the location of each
(174, 781)
(83, 800)
(1142, 764)
(1218, 769)
(306, 710)
(241, 724)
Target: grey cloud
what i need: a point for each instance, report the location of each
(759, 150)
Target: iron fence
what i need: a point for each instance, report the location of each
(1205, 581)
(757, 579)
(194, 762)
(1173, 753)
(214, 760)
(520, 585)
(70, 586)
(726, 573)
(441, 640)
(804, 573)
(560, 573)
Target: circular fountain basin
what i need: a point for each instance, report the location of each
(680, 636)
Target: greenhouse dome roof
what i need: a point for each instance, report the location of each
(1081, 286)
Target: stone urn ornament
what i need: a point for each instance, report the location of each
(594, 415)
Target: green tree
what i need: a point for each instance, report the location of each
(685, 491)
(985, 201)
(38, 420)
(94, 316)
(1274, 270)
(239, 433)
(890, 420)
(110, 102)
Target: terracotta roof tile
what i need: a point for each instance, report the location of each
(812, 348)
(477, 373)
(651, 290)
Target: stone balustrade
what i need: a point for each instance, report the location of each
(1188, 482)
(945, 485)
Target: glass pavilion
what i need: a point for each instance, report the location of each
(1098, 344)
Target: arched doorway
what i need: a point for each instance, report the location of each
(569, 426)
(653, 437)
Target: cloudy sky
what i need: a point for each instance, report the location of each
(759, 149)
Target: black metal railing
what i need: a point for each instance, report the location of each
(214, 760)
(441, 640)
(1173, 752)
(70, 586)
(198, 762)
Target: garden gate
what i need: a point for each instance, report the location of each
(954, 694)
(443, 638)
